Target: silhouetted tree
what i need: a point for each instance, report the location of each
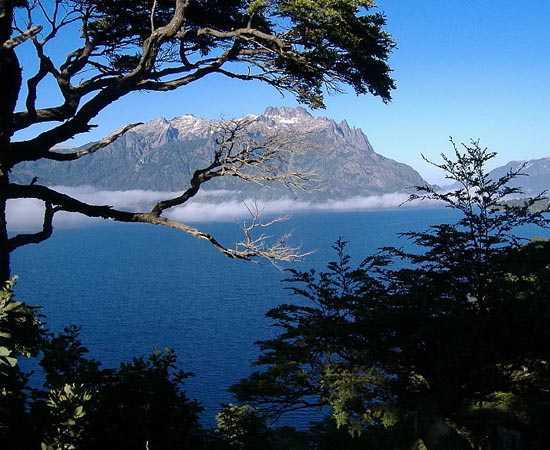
(448, 338)
(141, 404)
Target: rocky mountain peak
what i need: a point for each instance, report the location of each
(160, 131)
(152, 127)
(286, 117)
(163, 154)
(189, 124)
(354, 136)
(286, 114)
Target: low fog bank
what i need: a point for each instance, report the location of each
(26, 215)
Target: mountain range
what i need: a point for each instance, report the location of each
(163, 154)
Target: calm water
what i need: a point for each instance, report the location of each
(131, 287)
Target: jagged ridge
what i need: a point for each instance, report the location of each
(162, 154)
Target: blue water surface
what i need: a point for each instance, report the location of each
(131, 287)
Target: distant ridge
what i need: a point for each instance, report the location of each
(537, 173)
(162, 154)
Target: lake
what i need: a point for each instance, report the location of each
(131, 287)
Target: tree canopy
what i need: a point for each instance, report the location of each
(449, 338)
(114, 48)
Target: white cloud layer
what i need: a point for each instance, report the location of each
(209, 206)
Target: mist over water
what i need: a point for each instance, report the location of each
(208, 206)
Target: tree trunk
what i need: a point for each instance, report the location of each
(10, 86)
(4, 250)
(434, 431)
(508, 439)
(4, 244)
(437, 435)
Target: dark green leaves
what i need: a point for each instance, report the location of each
(305, 47)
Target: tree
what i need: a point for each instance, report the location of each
(447, 341)
(119, 47)
(243, 427)
(82, 405)
(20, 336)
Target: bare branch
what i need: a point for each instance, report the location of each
(54, 21)
(246, 32)
(278, 251)
(242, 153)
(92, 148)
(35, 238)
(28, 34)
(46, 67)
(261, 156)
(251, 248)
(153, 15)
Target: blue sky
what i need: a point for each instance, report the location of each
(464, 68)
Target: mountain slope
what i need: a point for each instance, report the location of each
(537, 173)
(162, 155)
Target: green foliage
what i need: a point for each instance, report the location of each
(487, 222)
(19, 327)
(444, 336)
(326, 435)
(20, 336)
(83, 406)
(7, 309)
(64, 361)
(243, 427)
(337, 34)
(300, 45)
(142, 402)
(66, 411)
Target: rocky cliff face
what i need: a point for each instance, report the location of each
(162, 154)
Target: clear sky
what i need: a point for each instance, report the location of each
(464, 68)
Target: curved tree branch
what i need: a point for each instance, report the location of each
(92, 148)
(35, 238)
(25, 35)
(248, 249)
(67, 203)
(239, 153)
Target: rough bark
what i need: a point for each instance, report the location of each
(10, 84)
(4, 251)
